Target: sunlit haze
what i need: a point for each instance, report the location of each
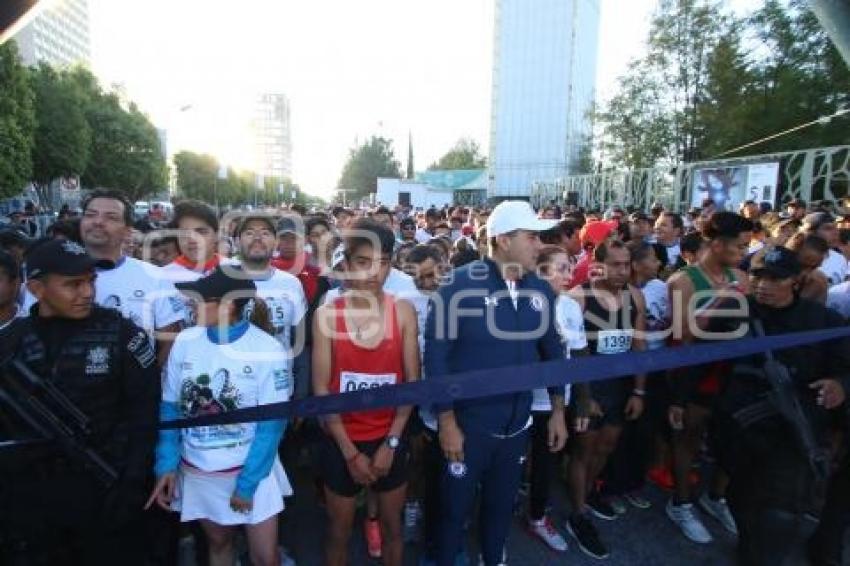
(350, 70)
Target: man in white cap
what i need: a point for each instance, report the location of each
(494, 313)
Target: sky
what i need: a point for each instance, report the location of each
(350, 70)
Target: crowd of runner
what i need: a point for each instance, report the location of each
(222, 312)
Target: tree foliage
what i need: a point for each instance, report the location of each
(710, 82)
(375, 158)
(62, 135)
(17, 122)
(465, 154)
(197, 178)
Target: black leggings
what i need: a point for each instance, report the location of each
(544, 465)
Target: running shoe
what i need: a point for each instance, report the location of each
(684, 516)
(373, 537)
(581, 529)
(618, 505)
(545, 531)
(637, 500)
(600, 508)
(720, 511)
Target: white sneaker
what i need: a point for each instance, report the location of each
(719, 509)
(545, 531)
(692, 527)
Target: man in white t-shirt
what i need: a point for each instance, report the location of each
(282, 292)
(834, 265)
(136, 288)
(838, 299)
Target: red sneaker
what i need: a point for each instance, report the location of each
(661, 476)
(372, 530)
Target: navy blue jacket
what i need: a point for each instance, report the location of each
(459, 339)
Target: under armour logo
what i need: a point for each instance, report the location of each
(491, 301)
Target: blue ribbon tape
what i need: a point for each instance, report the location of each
(513, 379)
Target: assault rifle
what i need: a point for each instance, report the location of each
(49, 413)
(785, 399)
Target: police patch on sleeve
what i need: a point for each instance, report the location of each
(141, 348)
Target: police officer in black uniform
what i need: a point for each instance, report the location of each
(53, 509)
(772, 479)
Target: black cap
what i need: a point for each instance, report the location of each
(638, 217)
(61, 257)
(13, 237)
(813, 221)
(220, 283)
(778, 262)
(267, 218)
(408, 221)
(797, 203)
(287, 225)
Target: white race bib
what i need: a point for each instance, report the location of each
(352, 381)
(614, 341)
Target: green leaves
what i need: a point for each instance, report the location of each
(711, 82)
(466, 154)
(365, 164)
(17, 122)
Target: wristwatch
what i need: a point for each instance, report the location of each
(393, 442)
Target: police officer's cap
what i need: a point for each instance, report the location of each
(777, 263)
(223, 282)
(60, 257)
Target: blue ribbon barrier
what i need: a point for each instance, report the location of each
(512, 379)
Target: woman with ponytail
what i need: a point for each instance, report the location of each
(225, 475)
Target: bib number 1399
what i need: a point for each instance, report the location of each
(614, 341)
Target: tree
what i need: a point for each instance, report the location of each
(365, 164)
(465, 154)
(195, 176)
(62, 135)
(126, 153)
(17, 122)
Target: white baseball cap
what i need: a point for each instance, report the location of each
(513, 215)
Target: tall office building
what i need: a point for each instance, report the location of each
(58, 35)
(273, 141)
(544, 73)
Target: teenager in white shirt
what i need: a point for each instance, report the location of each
(224, 475)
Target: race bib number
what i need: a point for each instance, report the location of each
(352, 381)
(614, 341)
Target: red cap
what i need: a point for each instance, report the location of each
(466, 230)
(595, 232)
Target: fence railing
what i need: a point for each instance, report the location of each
(810, 174)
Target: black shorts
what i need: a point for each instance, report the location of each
(334, 470)
(612, 395)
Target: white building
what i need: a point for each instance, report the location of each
(434, 189)
(58, 35)
(272, 136)
(544, 72)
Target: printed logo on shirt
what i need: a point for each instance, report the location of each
(247, 370)
(97, 361)
(457, 469)
(199, 397)
(537, 303)
(138, 294)
(281, 379)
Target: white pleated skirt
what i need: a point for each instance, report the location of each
(206, 495)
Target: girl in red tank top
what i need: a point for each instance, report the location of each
(355, 367)
(364, 340)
